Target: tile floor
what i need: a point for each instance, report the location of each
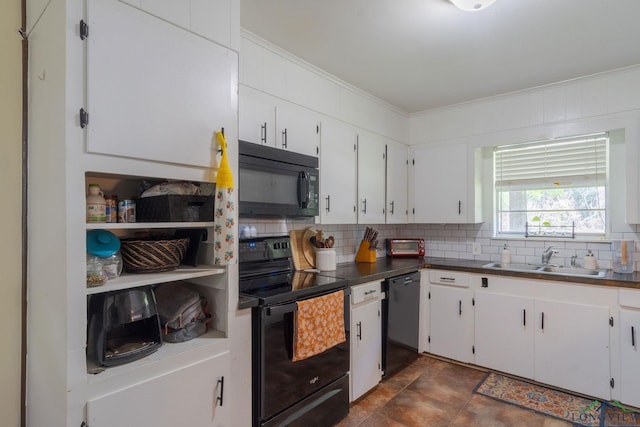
(432, 392)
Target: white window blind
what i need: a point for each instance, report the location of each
(560, 163)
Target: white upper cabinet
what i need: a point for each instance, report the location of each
(156, 91)
(266, 120)
(256, 118)
(297, 129)
(210, 18)
(371, 178)
(445, 188)
(338, 173)
(397, 179)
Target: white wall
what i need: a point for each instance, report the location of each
(10, 214)
(609, 101)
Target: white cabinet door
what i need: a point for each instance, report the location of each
(572, 347)
(297, 129)
(443, 185)
(338, 173)
(371, 178)
(366, 343)
(451, 322)
(397, 164)
(144, 106)
(190, 396)
(504, 333)
(629, 357)
(210, 19)
(256, 117)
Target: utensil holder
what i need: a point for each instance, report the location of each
(365, 253)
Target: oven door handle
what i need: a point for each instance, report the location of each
(282, 309)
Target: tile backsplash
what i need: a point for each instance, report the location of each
(455, 241)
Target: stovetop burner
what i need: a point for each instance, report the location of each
(266, 273)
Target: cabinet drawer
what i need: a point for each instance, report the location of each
(451, 278)
(365, 292)
(629, 298)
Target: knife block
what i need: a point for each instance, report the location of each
(365, 253)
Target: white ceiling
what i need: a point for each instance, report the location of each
(423, 54)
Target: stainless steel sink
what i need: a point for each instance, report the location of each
(512, 266)
(572, 271)
(547, 269)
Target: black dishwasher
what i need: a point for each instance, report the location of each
(400, 322)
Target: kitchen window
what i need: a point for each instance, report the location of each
(552, 188)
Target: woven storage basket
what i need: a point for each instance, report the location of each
(153, 256)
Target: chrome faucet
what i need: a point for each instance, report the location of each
(548, 253)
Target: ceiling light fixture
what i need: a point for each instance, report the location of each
(472, 5)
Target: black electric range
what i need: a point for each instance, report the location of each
(267, 275)
(309, 392)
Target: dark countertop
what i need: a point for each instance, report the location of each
(356, 273)
(362, 272)
(611, 278)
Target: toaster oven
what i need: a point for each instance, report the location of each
(405, 247)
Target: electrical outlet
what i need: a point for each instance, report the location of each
(476, 248)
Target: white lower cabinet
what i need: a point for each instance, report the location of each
(366, 338)
(451, 316)
(556, 333)
(629, 357)
(504, 333)
(572, 347)
(192, 395)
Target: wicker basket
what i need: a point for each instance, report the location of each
(153, 256)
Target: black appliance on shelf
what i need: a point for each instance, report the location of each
(400, 322)
(123, 326)
(276, 183)
(309, 392)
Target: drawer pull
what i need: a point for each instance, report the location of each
(372, 291)
(447, 279)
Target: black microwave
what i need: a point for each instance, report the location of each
(276, 183)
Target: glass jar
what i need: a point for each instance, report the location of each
(103, 247)
(95, 274)
(112, 265)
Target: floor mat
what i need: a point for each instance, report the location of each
(574, 409)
